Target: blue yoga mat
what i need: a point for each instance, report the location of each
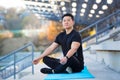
(80, 75)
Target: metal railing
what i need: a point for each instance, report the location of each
(16, 62)
(108, 23)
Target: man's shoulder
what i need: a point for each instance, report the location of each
(76, 32)
(61, 33)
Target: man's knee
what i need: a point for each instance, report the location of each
(45, 59)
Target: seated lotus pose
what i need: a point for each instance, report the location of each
(71, 44)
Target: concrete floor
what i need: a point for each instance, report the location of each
(98, 70)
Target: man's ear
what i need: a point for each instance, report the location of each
(73, 22)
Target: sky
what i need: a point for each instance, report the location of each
(12, 3)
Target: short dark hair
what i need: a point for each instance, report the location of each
(68, 14)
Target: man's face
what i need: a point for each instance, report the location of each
(67, 22)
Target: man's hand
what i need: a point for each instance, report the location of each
(36, 61)
(63, 60)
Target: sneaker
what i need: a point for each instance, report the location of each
(69, 70)
(46, 71)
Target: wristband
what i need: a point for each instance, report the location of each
(67, 57)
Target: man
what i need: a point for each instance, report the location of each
(71, 44)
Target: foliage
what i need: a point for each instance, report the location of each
(53, 30)
(30, 21)
(13, 20)
(17, 20)
(17, 34)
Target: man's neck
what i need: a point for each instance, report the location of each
(69, 30)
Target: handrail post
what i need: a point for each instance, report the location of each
(96, 28)
(32, 59)
(14, 67)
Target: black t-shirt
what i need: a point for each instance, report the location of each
(65, 40)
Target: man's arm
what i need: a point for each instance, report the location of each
(52, 47)
(74, 47)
